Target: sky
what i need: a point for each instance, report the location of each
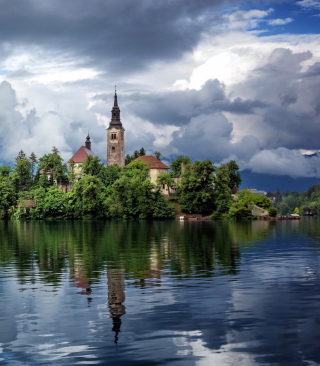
(208, 79)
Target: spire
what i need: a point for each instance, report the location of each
(115, 113)
(115, 104)
(88, 142)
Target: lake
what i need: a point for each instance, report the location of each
(160, 293)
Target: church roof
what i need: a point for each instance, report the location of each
(81, 155)
(152, 162)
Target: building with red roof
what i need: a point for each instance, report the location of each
(80, 156)
(156, 167)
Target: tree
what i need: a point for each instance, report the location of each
(142, 152)
(176, 164)
(245, 202)
(112, 174)
(166, 180)
(52, 164)
(234, 176)
(128, 159)
(195, 189)
(33, 162)
(22, 172)
(157, 154)
(87, 198)
(93, 166)
(50, 204)
(134, 196)
(71, 172)
(8, 196)
(222, 193)
(5, 170)
(21, 155)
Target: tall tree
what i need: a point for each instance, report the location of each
(8, 196)
(234, 175)
(93, 166)
(52, 165)
(222, 193)
(22, 172)
(33, 162)
(195, 189)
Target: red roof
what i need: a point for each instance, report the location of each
(81, 155)
(152, 162)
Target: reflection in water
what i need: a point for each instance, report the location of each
(193, 292)
(116, 298)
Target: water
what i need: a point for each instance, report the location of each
(160, 293)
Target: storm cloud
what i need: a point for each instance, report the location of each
(193, 78)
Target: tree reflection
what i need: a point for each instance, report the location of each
(145, 251)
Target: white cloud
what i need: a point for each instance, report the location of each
(280, 21)
(313, 4)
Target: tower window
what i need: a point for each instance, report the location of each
(113, 136)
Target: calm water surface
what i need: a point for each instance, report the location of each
(160, 293)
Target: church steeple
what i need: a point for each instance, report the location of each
(88, 142)
(115, 136)
(115, 113)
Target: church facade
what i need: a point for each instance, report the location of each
(115, 137)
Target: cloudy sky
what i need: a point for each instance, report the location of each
(217, 79)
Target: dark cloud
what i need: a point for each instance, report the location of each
(178, 107)
(118, 36)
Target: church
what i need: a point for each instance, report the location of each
(115, 147)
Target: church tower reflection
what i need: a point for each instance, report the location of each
(116, 298)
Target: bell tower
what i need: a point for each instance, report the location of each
(115, 136)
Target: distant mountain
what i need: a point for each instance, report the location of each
(268, 182)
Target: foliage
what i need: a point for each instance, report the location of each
(195, 189)
(129, 158)
(112, 174)
(234, 176)
(22, 174)
(52, 165)
(176, 164)
(133, 196)
(5, 170)
(157, 154)
(8, 196)
(245, 202)
(87, 198)
(33, 162)
(93, 166)
(166, 180)
(222, 193)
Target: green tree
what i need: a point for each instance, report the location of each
(5, 170)
(87, 198)
(176, 164)
(234, 175)
(222, 193)
(93, 166)
(142, 152)
(133, 196)
(195, 189)
(22, 175)
(33, 162)
(52, 165)
(8, 196)
(72, 172)
(244, 204)
(166, 180)
(112, 174)
(157, 154)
